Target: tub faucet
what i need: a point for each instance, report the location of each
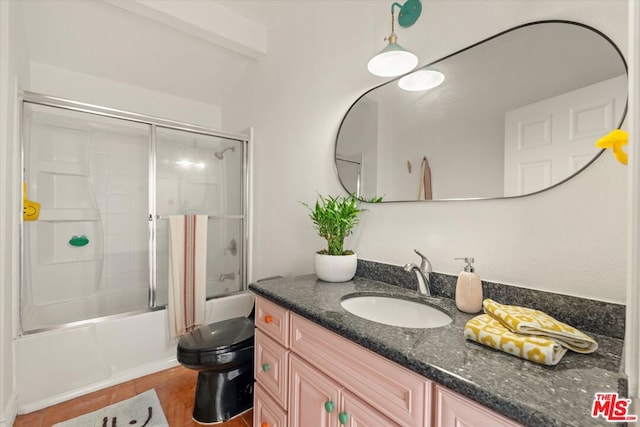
(423, 274)
(230, 276)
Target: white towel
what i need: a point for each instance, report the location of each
(187, 272)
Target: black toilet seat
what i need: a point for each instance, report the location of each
(217, 344)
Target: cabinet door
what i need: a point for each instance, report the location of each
(361, 414)
(395, 391)
(453, 410)
(271, 365)
(313, 398)
(266, 412)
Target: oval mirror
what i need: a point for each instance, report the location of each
(516, 114)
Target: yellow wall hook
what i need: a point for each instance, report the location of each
(616, 139)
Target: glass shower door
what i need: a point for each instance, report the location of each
(202, 174)
(85, 253)
(99, 186)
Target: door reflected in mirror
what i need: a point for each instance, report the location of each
(516, 114)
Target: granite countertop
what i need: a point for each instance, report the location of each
(531, 394)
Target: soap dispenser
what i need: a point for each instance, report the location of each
(468, 289)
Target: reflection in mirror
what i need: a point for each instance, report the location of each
(516, 114)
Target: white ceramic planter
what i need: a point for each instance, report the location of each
(335, 268)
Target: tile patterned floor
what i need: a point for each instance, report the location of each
(175, 388)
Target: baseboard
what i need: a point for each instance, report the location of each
(10, 411)
(116, 379)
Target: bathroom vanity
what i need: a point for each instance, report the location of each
(317, 364)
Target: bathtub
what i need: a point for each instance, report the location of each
(59, 365)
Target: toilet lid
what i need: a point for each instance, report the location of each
(219, 336)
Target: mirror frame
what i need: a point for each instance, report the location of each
(528, 24)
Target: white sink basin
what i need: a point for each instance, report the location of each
(395, 311)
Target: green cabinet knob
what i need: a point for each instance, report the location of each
(343, 417)
(265, 367)
(328, 406)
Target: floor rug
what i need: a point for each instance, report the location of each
(143, 410)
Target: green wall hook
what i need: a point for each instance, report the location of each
(265, 367)
(79, 241)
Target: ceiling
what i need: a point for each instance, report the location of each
(106, 40)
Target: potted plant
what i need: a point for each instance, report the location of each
(334, 219)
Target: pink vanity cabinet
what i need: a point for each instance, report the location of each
(314, 377)
(451, 410)
(271, 365)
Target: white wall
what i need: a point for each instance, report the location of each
(569, 240)
(49, 80)
(7, 381)
(13, 72)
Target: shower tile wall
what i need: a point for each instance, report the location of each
(120, 178)
(191, 179)
(58, 180)
(90, 175)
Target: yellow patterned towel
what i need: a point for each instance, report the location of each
(529, 322)
(486, 330)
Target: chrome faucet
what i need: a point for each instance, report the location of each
(423, 274)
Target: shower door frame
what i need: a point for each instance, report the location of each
(27, 97)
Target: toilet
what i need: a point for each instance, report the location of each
(222, 352)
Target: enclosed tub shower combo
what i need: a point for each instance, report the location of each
(99, 187)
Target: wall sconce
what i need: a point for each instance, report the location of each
(394, 60)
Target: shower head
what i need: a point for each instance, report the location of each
(220, 154)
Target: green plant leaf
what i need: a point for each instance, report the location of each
(334, 217)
